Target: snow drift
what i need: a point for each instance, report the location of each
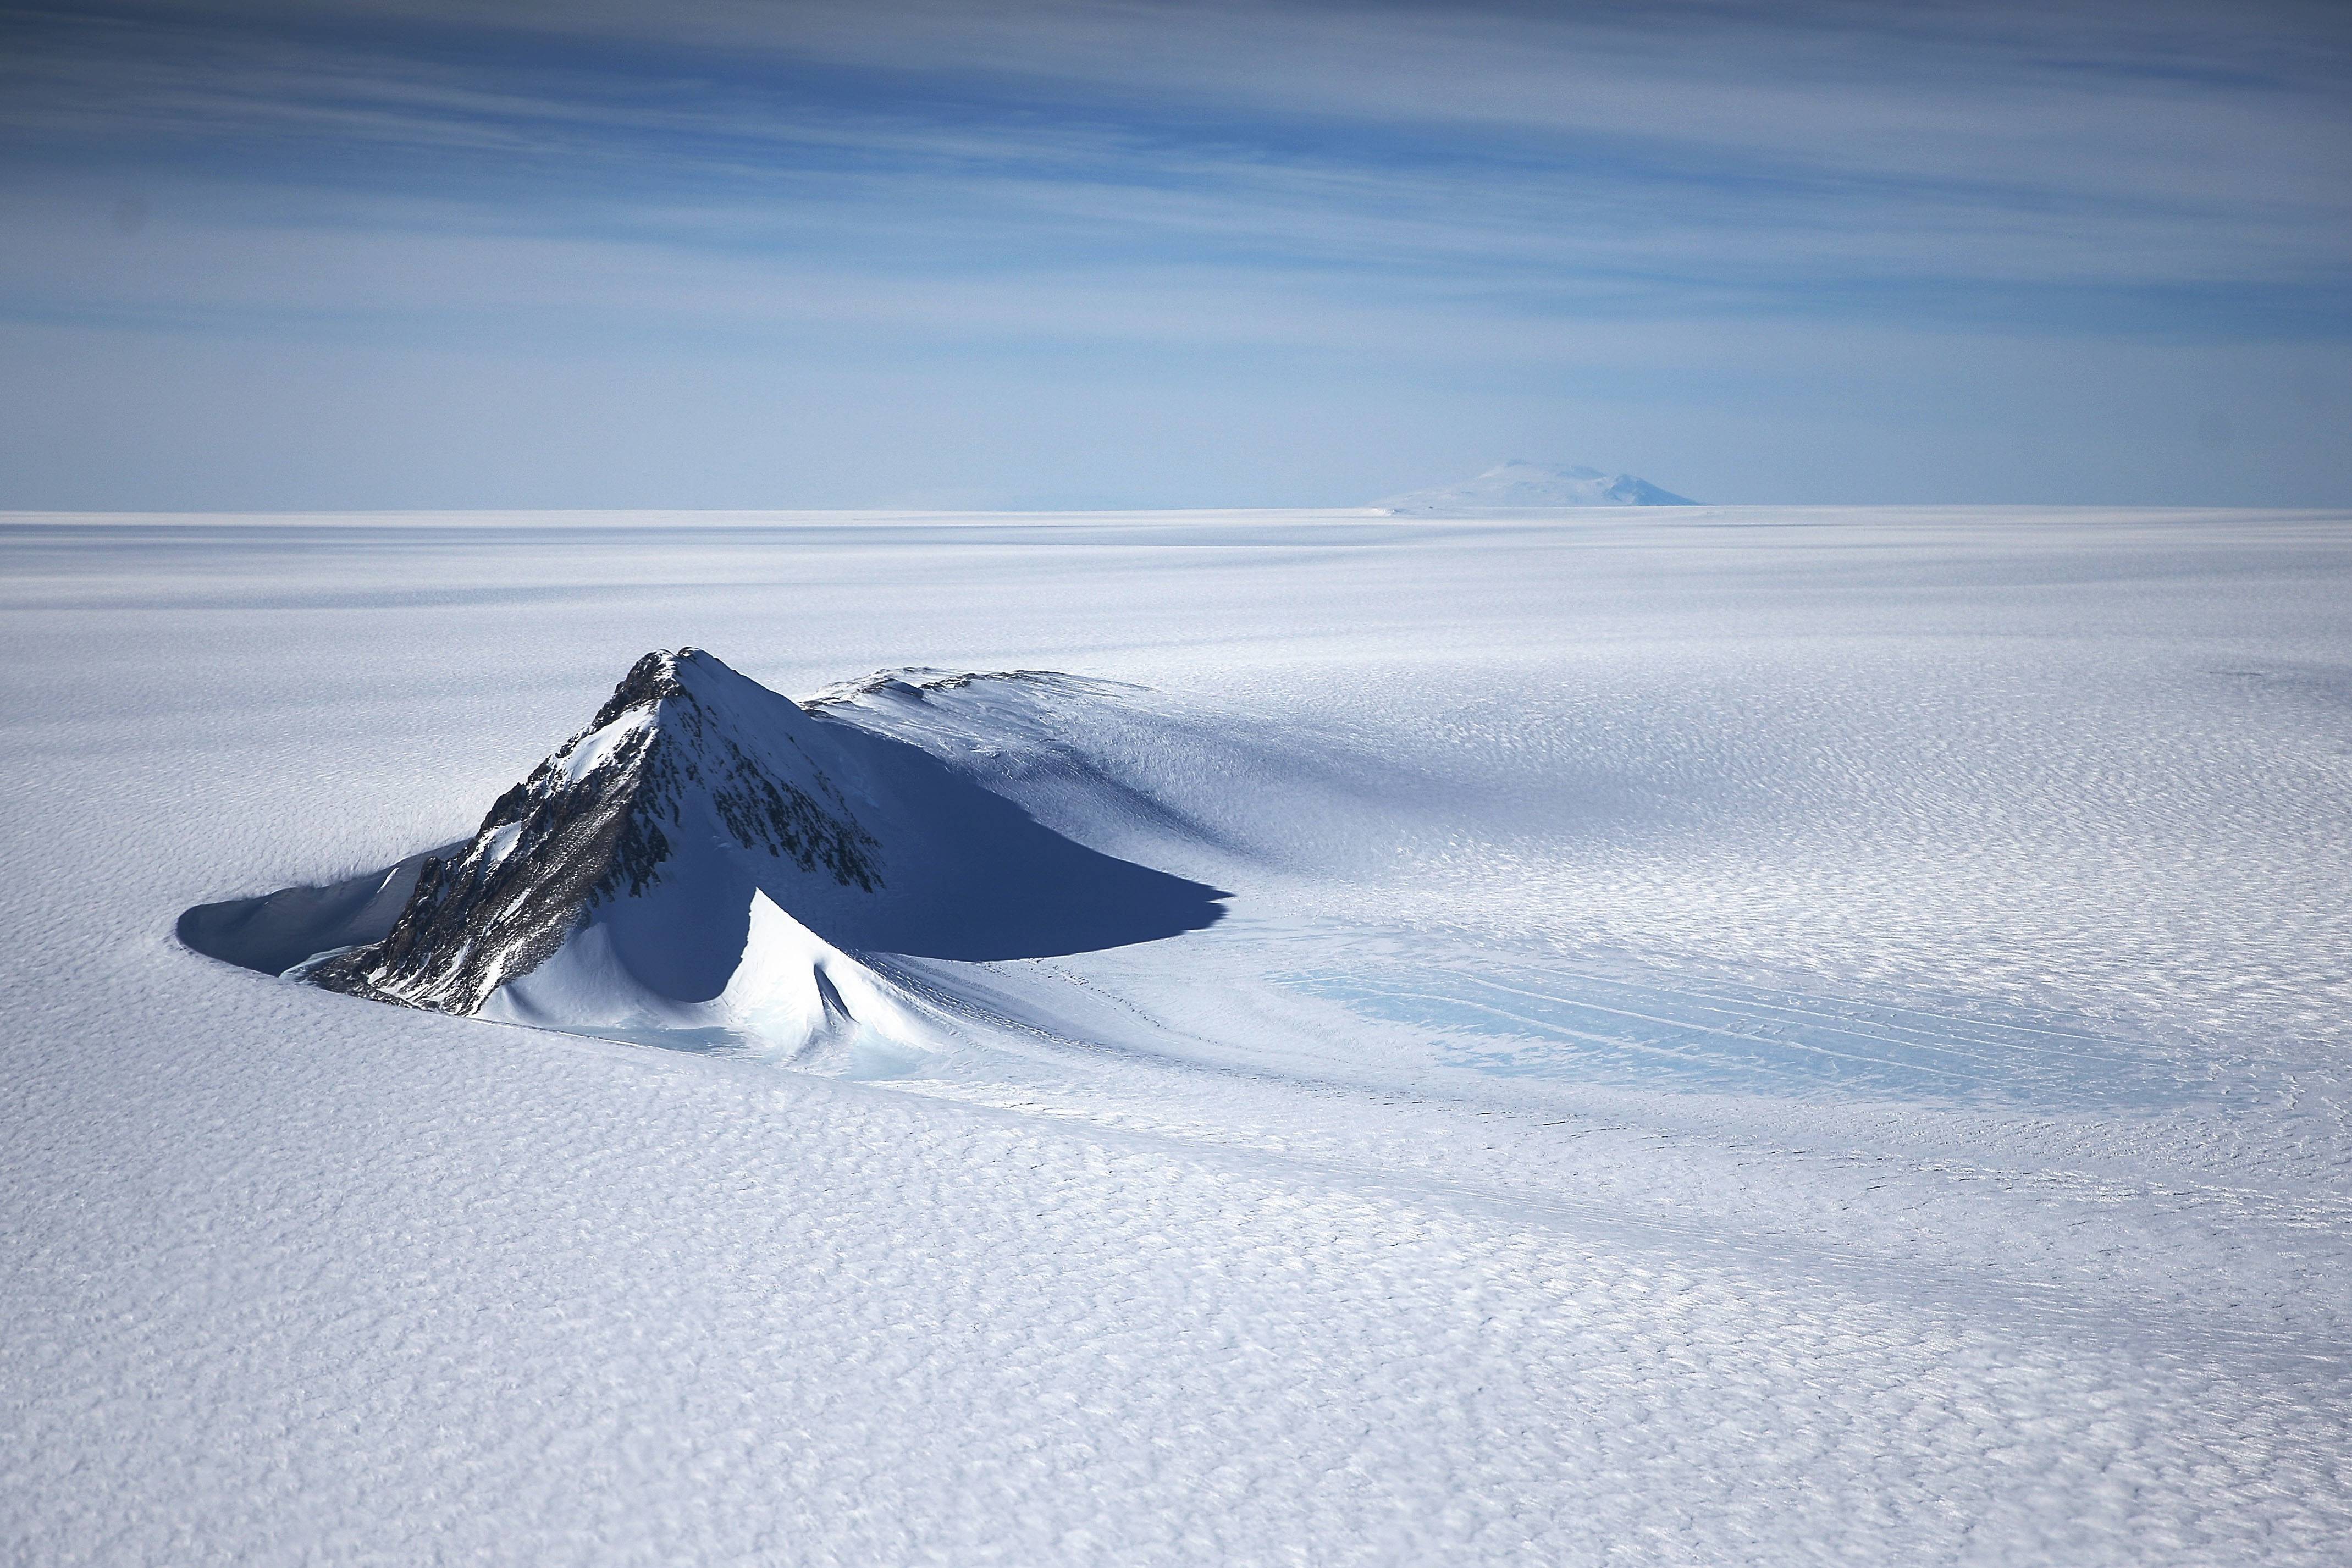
(1520, 484)
(708, 855)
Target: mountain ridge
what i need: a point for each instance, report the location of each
(708, 854)
(585, 829)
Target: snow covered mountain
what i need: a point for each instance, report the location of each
(651, 821)
(1523, 484)
(672, 865)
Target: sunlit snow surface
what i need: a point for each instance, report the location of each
(1739, 1037)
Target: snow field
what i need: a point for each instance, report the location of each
(1282, 1241)
(693, 1313)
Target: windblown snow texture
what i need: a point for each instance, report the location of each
(1517, 485)
(1815, 1039)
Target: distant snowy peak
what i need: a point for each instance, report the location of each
(686, 758)
(1517, 484)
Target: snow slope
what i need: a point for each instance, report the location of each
(1518, 484)
(1814, 1037)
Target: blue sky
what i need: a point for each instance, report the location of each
(724, 253)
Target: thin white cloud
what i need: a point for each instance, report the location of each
(2091, 100)
(1436, 197)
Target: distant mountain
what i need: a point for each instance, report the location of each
(1532, 485)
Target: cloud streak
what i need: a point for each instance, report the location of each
(1446, 186)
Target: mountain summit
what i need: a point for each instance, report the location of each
(690, 859)
(1518, 484)
(691, 786)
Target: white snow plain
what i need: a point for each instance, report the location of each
(1741, 1036)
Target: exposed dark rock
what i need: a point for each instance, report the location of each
(594, 822)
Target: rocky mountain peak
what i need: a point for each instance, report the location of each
(685, 756)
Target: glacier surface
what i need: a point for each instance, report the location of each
(1752, 1035)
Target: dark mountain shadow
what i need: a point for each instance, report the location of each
(967, 874)
(971, 875)
(274, 931)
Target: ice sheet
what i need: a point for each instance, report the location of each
(1741, 1036)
